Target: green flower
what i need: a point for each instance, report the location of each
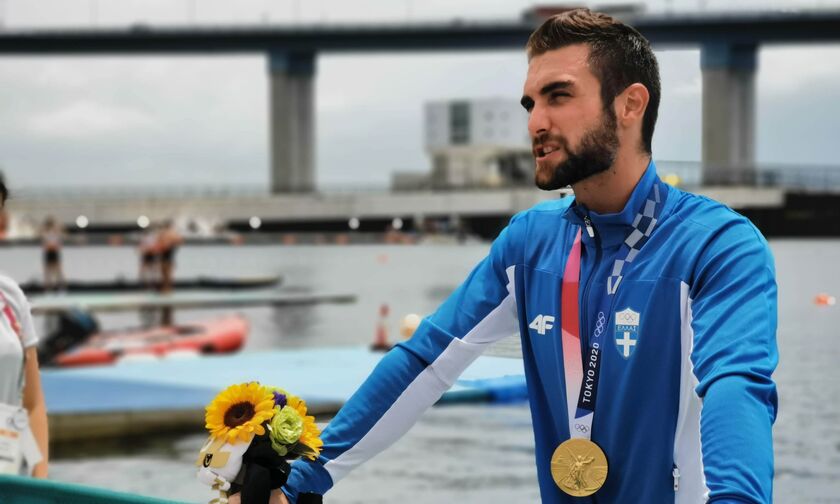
(286, 426)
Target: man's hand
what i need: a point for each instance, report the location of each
(277, 497)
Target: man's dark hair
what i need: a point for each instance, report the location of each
(4, 193)
(619, 56)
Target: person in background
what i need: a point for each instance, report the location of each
(20, 384)
(168, 242)
(51, 242)
(4, 217)
(149, 274)
(4, 225)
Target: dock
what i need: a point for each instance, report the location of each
(170, 394)
(110, 302)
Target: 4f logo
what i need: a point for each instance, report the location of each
(542, 323)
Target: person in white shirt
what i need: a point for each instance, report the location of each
(20, 380)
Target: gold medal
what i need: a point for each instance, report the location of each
(579, 467)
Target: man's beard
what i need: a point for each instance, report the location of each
(596, 154)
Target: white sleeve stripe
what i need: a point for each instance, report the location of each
(428, 386)
(688, 447)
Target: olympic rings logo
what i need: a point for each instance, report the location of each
(600, 325)
(581, 428)
(627, 317)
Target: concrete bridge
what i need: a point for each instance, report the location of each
(728, 43)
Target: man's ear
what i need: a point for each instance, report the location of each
(631, 104)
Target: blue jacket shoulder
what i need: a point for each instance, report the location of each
(715, 232)
(711, 217)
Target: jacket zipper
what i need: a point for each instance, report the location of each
(676, 474)
(584, 340)
(589, 229)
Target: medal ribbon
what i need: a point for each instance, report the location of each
(582, 387)
(570, 328)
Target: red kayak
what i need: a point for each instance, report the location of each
(213, 336)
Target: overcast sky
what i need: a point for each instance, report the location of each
(186, 121)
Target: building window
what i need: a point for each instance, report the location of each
(459, 123)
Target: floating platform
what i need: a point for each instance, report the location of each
(46, 304)
(144, 397)
(122, 284)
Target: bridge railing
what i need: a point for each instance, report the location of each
(686, 174)
(806, 178)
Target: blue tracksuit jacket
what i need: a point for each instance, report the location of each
(684, 414)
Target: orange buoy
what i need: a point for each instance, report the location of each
(380, 339)
(823, 299)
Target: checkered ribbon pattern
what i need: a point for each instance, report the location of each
(643, 226)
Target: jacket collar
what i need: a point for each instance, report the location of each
(612, 229)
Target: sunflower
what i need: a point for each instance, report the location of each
(311, 435)
(311, 438)
(238, 412)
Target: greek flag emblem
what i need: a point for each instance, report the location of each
(626, 331)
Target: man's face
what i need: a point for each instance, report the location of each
(573, 136)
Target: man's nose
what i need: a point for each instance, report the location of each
(538, 122)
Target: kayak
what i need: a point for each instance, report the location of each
(222, 335)
(122, 284)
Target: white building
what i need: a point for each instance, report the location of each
(467, 139)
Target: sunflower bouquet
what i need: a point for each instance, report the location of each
(255, 431)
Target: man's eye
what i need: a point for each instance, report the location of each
(557, 95)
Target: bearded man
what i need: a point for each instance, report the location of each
(647, 315)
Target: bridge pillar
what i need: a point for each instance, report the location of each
(292, 121)
(728, 113)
